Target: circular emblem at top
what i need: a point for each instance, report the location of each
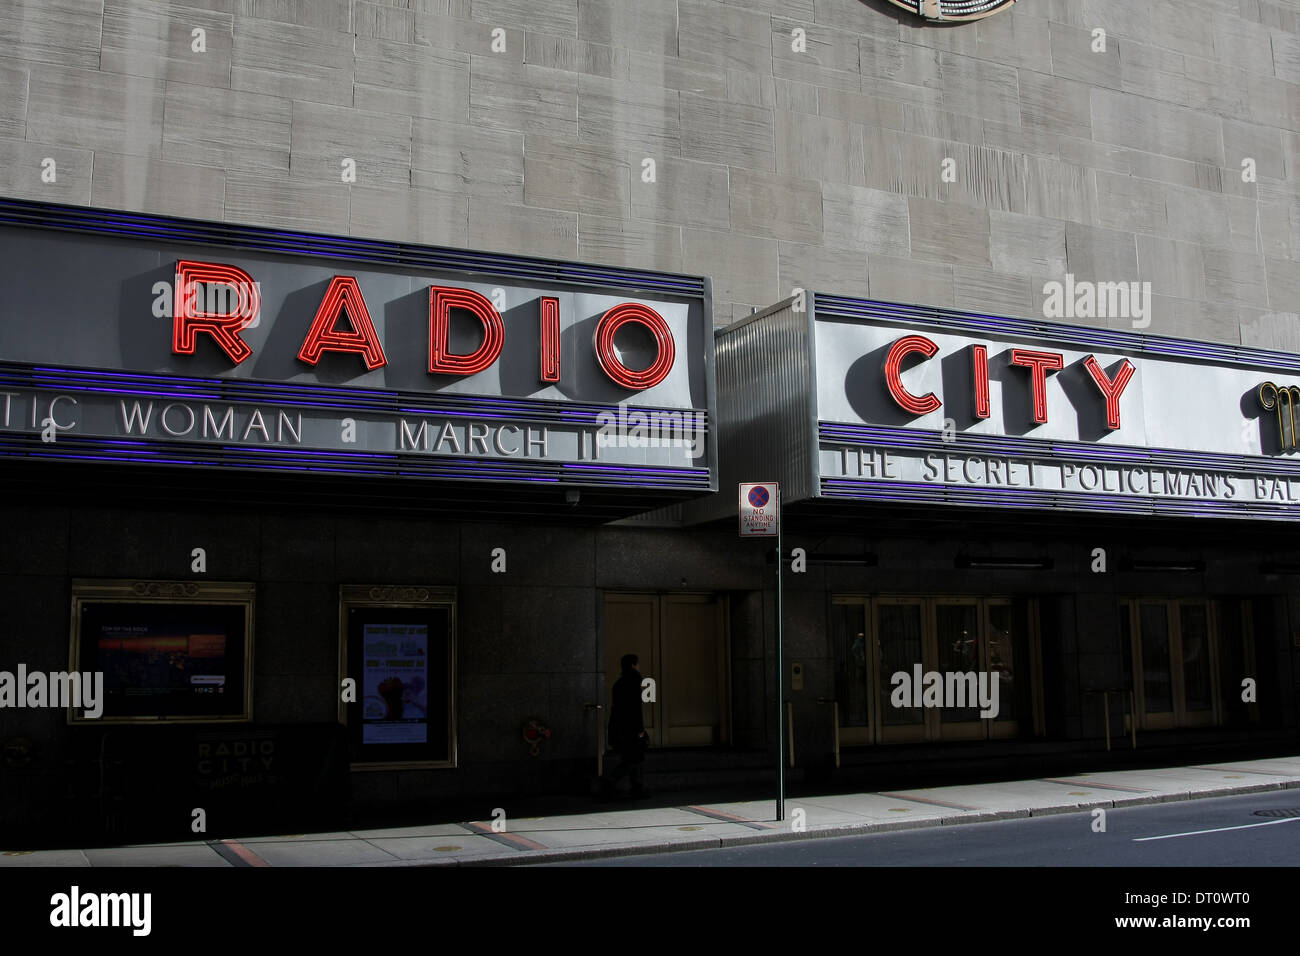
(956, 10)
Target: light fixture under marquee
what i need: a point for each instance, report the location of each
(953, 10)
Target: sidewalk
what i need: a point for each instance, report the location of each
(626, 829)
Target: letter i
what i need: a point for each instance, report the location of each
(980, 376)
(550, 339)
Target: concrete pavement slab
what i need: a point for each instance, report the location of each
(43, 858)
(753, 811)
(1112, 784)
(634, 836)
(826, 811)
(321, 853)
(1171, 782)
(1278, 769)
(193, 854)
(432, 830)
(299, 837)
(445, 848)
(1287, 764)
(1025, 794)
(817, 817)
(647, 816)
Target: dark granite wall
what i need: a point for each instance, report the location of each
(530, 641)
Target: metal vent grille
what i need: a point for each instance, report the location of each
(953, 9)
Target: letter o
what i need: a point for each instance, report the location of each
(620, 374)
(171, 431)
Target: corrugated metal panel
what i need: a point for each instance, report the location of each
(765, 416)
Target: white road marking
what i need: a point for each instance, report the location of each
(1244, 826)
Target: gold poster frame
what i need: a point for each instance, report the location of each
(128, 591)
(402, 596)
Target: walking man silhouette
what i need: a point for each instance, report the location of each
(627, 734)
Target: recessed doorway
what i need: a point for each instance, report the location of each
(681, 642)
(1174, 652)
(875, 637)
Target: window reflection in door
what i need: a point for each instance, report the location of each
(1173, 646)
(874, 638)
(851, 654)
(1002, 658)
(957, 628)
(1194, 625)
(1157, 681)
(900, 650)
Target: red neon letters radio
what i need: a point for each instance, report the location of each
(344, 293)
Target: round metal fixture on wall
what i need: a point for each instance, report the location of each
(956, 10)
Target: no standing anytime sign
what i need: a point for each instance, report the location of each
(760, 509)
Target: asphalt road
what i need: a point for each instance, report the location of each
(1222, 831)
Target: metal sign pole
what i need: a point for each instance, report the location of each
(755, 519)
(780, 679)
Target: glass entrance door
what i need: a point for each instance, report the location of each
(972, 643)
(960, 651)
(902, 636)
(854, 654)
(1174, 661)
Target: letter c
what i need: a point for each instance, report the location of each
(54, 401)
(917, 405)
(500, 447)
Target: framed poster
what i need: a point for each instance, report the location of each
(397, 644)
(169, 651)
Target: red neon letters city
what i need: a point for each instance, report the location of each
(189, 320)
(1038, 363)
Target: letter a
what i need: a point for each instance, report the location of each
(323, 336)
